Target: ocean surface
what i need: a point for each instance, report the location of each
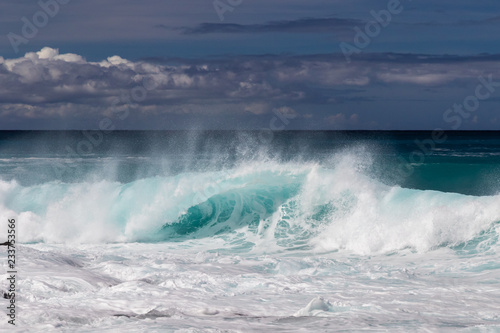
(247, 231)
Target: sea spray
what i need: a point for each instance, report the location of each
(267, 205)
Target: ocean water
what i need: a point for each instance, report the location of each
(252, 231)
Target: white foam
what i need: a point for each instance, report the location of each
(147, 287)
(334, 209)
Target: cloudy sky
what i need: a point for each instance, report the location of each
(238, 64)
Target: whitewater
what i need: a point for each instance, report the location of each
(324, 237)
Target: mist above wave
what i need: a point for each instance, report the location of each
(258, 205)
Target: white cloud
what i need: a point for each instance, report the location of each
(42, 84)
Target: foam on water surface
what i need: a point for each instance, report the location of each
(262, 244)
(267, 206)
(140, 287)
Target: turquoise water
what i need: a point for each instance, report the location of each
(345, 223)
(210, 184)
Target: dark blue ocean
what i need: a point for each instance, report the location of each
(284, 231)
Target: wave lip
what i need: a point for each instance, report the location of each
(262, 206)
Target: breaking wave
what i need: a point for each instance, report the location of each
(260, 206)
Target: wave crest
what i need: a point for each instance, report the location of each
(262, 206)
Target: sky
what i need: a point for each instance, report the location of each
(241, 64)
